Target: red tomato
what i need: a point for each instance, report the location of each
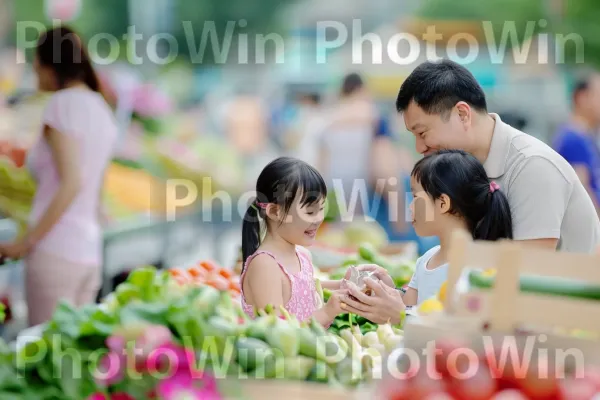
(576, 389)
(480, 386)
(509, 394)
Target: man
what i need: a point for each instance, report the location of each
(445, 108)
(575, 140)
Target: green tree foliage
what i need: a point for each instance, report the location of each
(582, 18)
(197, 16)
(498, 12)
(577, 21)
(98, 16)
(112, 17)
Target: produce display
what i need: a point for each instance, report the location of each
(130, 191)
(491, 379)
(208, 273)
(349, 236)
(14, 153)
(210, 163)
(401, 273)
(203, 327)
(17, 189)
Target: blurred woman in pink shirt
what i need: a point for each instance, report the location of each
(62, 248)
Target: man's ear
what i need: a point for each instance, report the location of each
(444, 204)
(465, 113)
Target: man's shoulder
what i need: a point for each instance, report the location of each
(528, 152)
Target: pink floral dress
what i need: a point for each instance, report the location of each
(304, 300)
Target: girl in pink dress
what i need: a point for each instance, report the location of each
(278, 269)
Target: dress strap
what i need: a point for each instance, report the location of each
(253, 256)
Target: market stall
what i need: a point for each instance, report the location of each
(193, 313)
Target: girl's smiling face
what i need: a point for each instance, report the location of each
(301, 223)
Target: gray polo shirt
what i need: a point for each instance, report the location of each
(546, 198)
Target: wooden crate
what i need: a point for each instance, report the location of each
(504, 309)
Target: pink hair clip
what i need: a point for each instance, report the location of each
(262, 205)
(494, 186)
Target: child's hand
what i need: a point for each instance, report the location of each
(333, 307)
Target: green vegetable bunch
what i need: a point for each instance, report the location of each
(64, 362)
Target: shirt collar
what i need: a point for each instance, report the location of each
(495, 165)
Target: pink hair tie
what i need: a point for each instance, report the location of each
(262, 205)
(494, 186)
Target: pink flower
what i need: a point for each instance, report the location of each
(111, 369)
(116, 344)
(182, 385)
(121, 396)
(154, 337)
(177, 358)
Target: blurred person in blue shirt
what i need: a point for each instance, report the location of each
(576, 140)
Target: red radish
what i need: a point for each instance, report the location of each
(439, 396)
(540, 382)
(395, 389)
(576, 389)
(445, 347)
(480, 386)
(503, 366)
(509, 394)
(421, 386)
(592, 373)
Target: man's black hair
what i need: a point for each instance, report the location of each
(436, 87)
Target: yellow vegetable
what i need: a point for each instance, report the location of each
(431, 306)
(489, 272)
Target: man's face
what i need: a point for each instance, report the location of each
(433, 132)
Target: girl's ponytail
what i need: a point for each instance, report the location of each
(250, 233)
(497, 220)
